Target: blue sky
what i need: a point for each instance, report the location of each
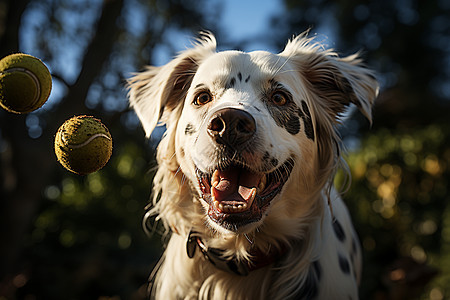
(239, 20)
(242, 19)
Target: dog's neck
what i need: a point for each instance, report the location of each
(258, 260)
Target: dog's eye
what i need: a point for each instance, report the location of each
(202, 98)
(280, 98)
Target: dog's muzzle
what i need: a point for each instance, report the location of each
(234, 187)
(238, 196)
(231, 127)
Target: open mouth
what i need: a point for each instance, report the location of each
(238, 196)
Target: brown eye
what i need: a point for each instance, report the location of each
(202, 98)
(279, 99)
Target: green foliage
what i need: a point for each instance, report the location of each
(63, 236)
(400, 189)
(400, 203)
(87, 240)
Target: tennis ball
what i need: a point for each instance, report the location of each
(83, 145)
(25, 83)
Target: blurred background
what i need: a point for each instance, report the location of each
(64, 236)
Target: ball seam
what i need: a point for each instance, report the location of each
(76, 146)
(33, 76)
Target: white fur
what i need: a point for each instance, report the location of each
(301, 215)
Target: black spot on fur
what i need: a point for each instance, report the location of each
(268, 159)
(293, 124)
(340, 234)
(306, 116)
(239, 76)
(344, 264)
(247, 79)
(310, 288)
(318, 269)
(189, 130)
(286, 117)
(231, 83)
(274, 162)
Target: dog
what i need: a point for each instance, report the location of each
(244, 186)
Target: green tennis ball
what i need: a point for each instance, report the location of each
(83, 145)
(25, 83)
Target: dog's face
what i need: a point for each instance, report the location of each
(242, 127)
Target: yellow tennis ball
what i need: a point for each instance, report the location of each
(83, 145)
(25, 83)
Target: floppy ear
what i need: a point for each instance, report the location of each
(155, 93)
(337, 81)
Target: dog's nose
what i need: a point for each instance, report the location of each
(231, 127)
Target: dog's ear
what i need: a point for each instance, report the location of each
(157, 92)
(337, 81)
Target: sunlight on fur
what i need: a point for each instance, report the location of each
(245, 169)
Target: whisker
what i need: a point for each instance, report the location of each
(248, 239)
(177, 171)
(284, 63)
(172, 156)
(183, 180)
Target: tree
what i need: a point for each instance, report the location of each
(89, 47)
(405, 41)
(399, 197)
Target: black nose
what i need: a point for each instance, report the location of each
(232, 127)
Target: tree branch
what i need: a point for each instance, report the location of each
(96, 55)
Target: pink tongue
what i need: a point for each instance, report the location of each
(235, 184)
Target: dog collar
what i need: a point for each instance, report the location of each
(232, 264)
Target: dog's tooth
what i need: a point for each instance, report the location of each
(262, 183)
(231, 208)
(243, 207)
(215, 179)
(252, 197)
(212, 193)
(216, 204)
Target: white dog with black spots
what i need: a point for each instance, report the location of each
(246, 167)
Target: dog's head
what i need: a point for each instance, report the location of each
(249, 133)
